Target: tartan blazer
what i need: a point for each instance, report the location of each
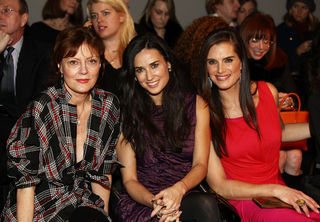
(41, 153)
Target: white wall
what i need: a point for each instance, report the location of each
(186, 10)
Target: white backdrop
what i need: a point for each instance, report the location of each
(186, 10)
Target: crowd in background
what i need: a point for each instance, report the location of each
(107, 119)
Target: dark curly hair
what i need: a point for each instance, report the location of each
(190, 42)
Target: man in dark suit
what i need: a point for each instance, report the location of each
(28, 76)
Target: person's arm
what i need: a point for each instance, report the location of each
(135, 189)
(291, 131)
(172, 196)
(304, 47)
(102, 192)
(25, 204)
(234, 189)
(295, 132)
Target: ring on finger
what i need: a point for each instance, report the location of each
(301, 202)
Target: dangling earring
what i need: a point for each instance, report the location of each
(169, 69)
(209, 81)
(61, 74)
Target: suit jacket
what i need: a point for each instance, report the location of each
(31, 78)
(33, 70)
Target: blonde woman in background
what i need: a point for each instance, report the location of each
(112, 21)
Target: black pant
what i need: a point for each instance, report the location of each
(88, 214)
(200, 207)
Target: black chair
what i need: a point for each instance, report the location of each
(227, 211)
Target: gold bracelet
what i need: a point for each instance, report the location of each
(184, 184)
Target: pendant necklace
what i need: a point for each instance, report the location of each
(112, 56)
(83, 110)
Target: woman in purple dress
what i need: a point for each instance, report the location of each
(165, 139)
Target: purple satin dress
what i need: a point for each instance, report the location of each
(159, 170)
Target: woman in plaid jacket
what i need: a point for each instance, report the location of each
(61, 150)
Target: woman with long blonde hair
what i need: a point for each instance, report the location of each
(112, 21)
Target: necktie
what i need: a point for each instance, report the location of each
(7, 82)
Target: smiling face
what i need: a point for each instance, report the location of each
(81, 72)
(224, 66)
(106, 20)
(152, 73)
(159, 14)
(11, 21)
(258, 48)
(69, 6)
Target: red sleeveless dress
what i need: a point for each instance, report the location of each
(252, 159)
(256, 160)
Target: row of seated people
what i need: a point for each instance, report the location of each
(83, 112)
(64, 147)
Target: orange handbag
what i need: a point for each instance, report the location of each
(294, 116)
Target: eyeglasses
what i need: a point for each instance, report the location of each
(265, 42)
(6, 11)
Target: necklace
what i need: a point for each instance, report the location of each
(84, 108)
(112, 56)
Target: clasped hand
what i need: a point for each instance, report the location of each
(166, 204)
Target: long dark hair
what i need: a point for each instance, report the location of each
(211, 93)
(137, 105)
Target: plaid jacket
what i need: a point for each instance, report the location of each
(41, 153)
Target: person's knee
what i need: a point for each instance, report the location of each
(198, 199)
(294, 159)
(201, 206)
(282, 160)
